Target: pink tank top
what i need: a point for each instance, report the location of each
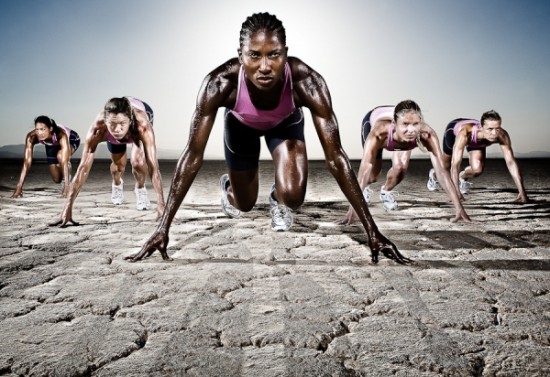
(391, 144)
(54, 141)
(245, 111)
(473, 136)
(137, 104)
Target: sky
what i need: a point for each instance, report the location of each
(66, 58)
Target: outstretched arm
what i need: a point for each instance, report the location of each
(147, 136)
(431, 142)
(95, 135)
(513, 168)
(456, 160)
(324, 119)
(27, 162)
(213, 94)
(65, 157)
(366, 175)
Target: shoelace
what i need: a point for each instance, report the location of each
(390, 195)
(141, 197)
(279, 214)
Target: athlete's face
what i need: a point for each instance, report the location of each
(491, 129)
(117, 124)
(263, 57)
(42, 131)
(407, 126)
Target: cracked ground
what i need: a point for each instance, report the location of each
(241, 300)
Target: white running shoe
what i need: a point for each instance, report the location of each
(388, 198)
(117, 195)
(227, 208)
(464, 186)
(432, 181)
(367, 194)
(281, 218)
(142, 199)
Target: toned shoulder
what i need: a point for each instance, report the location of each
(31, 137)
(301, 72)
(98, 127)
(225, 76)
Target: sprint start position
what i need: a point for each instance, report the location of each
(263, 91)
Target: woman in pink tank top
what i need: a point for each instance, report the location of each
(399, 129)
(474, 137)
(123, 120)
(258, 89)
(60, 143)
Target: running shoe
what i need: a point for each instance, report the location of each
(388, 198)
(227, 208)
(367, 193)
(281, 218)
(117, 195)
(142, 199)
(432, 181)
(464, 186)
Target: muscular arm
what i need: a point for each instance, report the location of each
(373, 144)
(147, 136)
(313, 93)
(513, 168)
(65, 157)
(30, 140)
(95, 135)
(461, 141)
(431, 142)
(214, 93)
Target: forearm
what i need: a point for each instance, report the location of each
(156, 178)
(186, 170)
(341, 169)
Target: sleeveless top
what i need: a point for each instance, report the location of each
(245, 111)
(54, 141)
(386, 112)
(391, 144)
(472, 142)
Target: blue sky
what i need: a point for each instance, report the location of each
(66, 58)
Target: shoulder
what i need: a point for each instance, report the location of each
(31, 137)
(302, 72)
(224, 75)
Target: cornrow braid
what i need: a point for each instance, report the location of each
(262, 21)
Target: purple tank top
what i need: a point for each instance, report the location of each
(473, 136)
(137, 104)
(54, 141)
(259, 119)
(391, 144)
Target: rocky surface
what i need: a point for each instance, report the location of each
(241, 300)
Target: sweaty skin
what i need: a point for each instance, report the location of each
(147, 154)
(263, 57)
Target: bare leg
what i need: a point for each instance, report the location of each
(55, 172)
(400, 165)
(291, 172)
(139, 165)
(477, 164)
(118, 166)
(243, 189)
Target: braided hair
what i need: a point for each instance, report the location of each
(262, 21)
